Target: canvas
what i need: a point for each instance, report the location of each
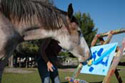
(101, 59)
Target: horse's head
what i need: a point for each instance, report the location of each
(62, 26)
(79, 46)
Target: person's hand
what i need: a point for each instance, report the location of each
(50, 66)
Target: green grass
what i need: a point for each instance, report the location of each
(21, 78)
(34, 77)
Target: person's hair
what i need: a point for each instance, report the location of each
(101, 39)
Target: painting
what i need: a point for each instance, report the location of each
(100, 61)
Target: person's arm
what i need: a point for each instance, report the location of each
(43, 48)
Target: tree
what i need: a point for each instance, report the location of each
(29, 48)
(87, 26)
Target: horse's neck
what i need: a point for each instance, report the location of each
(5, 25)
(22, 26)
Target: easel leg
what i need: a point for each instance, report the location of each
(118, 76)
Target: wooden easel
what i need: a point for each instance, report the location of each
(117, 57)
(116, 60)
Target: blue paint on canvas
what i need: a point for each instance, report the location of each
(101, 59)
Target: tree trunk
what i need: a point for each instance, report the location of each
(10, 61)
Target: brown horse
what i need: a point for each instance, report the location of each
(22, 20)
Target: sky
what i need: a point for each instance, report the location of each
(106, 14)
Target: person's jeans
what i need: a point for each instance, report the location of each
(47, 75)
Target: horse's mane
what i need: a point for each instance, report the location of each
(23, 10)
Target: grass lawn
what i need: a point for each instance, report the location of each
(34, 77)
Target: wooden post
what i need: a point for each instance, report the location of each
(108, 38)
(77, 71)
(94, 40)
(113, 66)
(113, 32)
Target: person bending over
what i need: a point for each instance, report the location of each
(47, 61)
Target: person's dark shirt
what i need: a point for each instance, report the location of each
(53, 48)
(49, 49)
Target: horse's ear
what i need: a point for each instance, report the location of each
(70, 11)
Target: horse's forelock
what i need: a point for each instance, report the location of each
(74, 20)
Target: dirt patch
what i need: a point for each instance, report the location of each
(17, 70)
(67, 70)
(24, 70)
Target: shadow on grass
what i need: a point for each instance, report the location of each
(89, 82)
(96, 82)
(67, 67)
(64, 82)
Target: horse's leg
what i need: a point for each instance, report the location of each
(9, 39)
(6, 52)
(2, 65)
